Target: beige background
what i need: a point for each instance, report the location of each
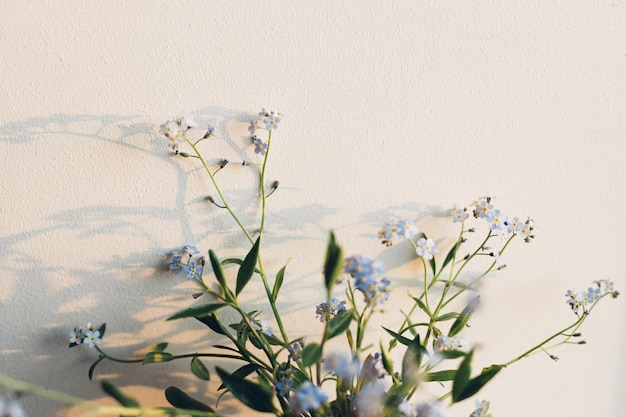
(393, 109)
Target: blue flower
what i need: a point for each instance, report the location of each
(190, 249)
(193, 271)
(295, 351)
(176, 264)
(308, 397)
(325, 311)
(259, 145)
(283, 386)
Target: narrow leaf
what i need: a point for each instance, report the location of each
(404, 340)
(451, 254)
(212, 321)
(113, 391)
(447, 316)
(451, 354)
(279, 281)
(447, 375)
(246, 270)
(412, 359)
(461, 379)
(253, 395)
(157, 357)
(242, 372)
(199, 369)
(461, 321)
(102, 329)
(179, 399)
(199, 311)
(421, 305)
(160, 347)
(217, 269)
(333, 263)
(477, 383)
(386, 360)
(338, 324)
(237, 261)
(311, 354)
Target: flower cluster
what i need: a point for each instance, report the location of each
(394, 230)
(270, 119)
(92, 337)
(445, 343)
(363, 269)
(182, 261)
(586, 299)
(328, 309)
(499, 224)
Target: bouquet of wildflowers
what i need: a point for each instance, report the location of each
(291, 375)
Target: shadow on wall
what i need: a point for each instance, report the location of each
(92, 242)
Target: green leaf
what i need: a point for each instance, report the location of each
(333, 263)
(311, 354)
(113, 391)
(412, 359)
(404, 340)
(338, 324)
(246, 270)
(217, 269)
(477, 383)
(279, 281)
(461, 379)
(237, 261)
(253, 395)
(451, 354)
(160, 347)
(212, 321)
(451, 254)
(447, 316)
(242, 372)
(102, 329)
(179, 399)
(93, 366)
(199, 311)
(447, 375)
(386, 360)
(157, 357)
(199, 369)
(422, 306)
(433, 265)
(461, 321)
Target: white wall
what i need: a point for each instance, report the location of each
(393, 108)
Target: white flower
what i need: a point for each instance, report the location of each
(426, 248)
(186, 123)
(92, 338)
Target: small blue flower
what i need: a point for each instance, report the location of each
(260, 147)
(295, 351)
(193, 271)
(308, 397)
(190, 249)
(283, 386)
(176, 264)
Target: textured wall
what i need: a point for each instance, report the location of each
(393, 108)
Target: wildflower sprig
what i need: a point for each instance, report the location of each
(294, 375)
